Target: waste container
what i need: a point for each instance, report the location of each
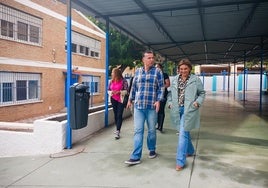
(79, 103)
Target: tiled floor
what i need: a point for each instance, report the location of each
(231, 151)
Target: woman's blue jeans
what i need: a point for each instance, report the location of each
(185, 146)
(118, 109)
(140, 117)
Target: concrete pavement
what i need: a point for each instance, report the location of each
(231, 151)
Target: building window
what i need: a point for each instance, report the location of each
(20, 26)
(96, 54)
(82, 45)
(7, 28)
(74, 48)
(6, 92)
(34, 34)
(19, 88)
(82, 49)
(93, 82)
(22, 31)
(87, 51)
(33, 89)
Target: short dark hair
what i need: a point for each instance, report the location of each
(147, 52)
(185, 62)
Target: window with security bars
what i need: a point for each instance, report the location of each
(85, 45)
(93, 83)
(20, 26)
(19, 88)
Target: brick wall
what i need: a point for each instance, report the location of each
(53, 79)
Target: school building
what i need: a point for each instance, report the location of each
(33, 63)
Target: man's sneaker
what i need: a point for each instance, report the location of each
(133, 161)
(152, 154)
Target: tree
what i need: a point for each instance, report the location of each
(123, 50)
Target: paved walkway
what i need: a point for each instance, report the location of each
(232, 151)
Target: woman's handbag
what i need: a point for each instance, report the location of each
(125, 101)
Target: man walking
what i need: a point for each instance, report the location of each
(147, 91)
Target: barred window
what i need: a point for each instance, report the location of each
(22, 31)
(7, 28)
(85, 45)
(34, 34)
(19, 88)
(93, 82)
(6, 92)
(33, 89)
(20, 26)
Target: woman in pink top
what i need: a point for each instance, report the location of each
(117, 89)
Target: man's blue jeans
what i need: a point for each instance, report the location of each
(185, 146)
(140, 117)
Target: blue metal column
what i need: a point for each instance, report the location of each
(244, 88)
(240, 82)
(224, 77)
(234, 79)
(261, 73)
(265, 81)
(107, 71)
(69, 74)
(214, 83)
(203, 77)
(229, 74)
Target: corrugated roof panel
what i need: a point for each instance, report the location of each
(198, 30)
(183, 25)
(113, 6)
(225, 21)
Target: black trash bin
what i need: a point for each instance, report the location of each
(79, 103)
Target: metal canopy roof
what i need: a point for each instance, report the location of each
(205, 31)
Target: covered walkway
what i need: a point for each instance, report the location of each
(232, 151)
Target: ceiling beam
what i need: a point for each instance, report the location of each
(200, 11)
(158, 24)
(244, 25)
(195, 6)
(213, 40)
(98, 14)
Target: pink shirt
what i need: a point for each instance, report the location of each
(116, 86)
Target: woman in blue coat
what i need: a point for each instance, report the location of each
(184, 100)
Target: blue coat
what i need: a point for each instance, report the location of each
(194, 91)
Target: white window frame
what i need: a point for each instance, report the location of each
(91, 46)
(16, 18)
(93, 82)
(32, 94)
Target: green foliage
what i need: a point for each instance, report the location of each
(256, 63)
(123, 50)
(170, 68)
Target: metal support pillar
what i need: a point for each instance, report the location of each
(69, 74)
(107, 70)
(261, 74)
